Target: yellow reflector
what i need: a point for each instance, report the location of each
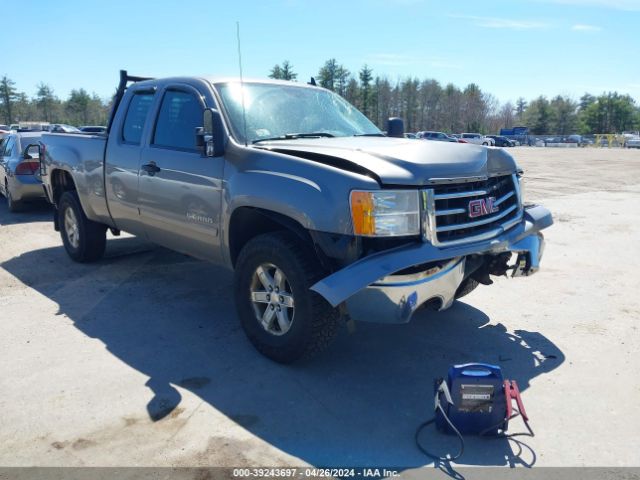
(362, 213)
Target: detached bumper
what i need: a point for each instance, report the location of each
(373, 293)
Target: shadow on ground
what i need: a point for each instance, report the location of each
(172, 318)
(34, 211)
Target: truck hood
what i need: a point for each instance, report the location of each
(397, 161)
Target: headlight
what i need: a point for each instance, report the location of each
(385, 213)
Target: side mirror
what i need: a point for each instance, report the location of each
(32, 151)
(395, 127)
(210, 137)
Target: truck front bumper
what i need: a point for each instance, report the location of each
(373, 293)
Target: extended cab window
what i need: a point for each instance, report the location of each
(136, 117)
(180, 114)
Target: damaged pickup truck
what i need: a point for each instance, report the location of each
(320, 214)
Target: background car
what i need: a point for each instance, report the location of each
(63, 128)
(4, 131)
(501, 141)
(437, 136)
(92, 129)
(20, 169)
(478, 139)
(406, 135)
(633, 142)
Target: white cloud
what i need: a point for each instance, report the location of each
(390, 59)
(627, 5)
(585, 28)
(405, 59)
(509, 23)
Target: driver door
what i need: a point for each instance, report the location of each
(180, 189)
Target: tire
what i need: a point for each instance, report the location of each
(485, 144)
(466, 287)
(12, 205)
(86, 242)
(312, 321)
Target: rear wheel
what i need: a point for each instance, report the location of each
(12, 205)
(83, 239)
(283, 319)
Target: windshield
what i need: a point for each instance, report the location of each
(274, 110)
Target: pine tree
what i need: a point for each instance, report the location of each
(8, 96)
(366, 75)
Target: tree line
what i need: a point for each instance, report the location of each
(80, 108)
(424, 104)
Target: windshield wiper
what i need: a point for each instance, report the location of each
(369, 135)
(293, 136)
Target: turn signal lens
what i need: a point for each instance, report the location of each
(385, 213)
(362, 209)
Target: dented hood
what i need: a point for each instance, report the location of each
(397, 161)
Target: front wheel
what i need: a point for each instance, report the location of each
(282, 318)
(83, 239)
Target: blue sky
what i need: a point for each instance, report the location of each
(510, 48)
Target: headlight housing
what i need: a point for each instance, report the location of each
(385, 213)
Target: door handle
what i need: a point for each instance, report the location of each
(151, 168)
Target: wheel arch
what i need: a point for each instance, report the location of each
(61, 181)
(247, 223)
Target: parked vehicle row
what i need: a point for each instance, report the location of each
(53, 128)
(633, 142)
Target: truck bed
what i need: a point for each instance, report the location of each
(82, 155)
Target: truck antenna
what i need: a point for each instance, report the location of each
(244, 112)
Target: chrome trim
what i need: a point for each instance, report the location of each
(474, 193)
(479, 178)
(503, 198)
(477, 223)
(429, 215)
(481, 236)
(453, 211)
(393, 299)
(516, 185)
(442, 181)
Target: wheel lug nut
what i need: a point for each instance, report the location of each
(281, 299)
(270, 288)
(272, 306)
(268, 297)
(277, 289)
(278, 307)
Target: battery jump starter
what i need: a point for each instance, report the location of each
(475, 400)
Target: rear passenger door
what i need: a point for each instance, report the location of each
(123, 159)
(179, 187)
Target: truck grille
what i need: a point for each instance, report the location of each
(446, 217)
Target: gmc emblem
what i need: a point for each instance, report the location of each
(482, 206)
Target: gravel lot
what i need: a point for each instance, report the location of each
(139, 359)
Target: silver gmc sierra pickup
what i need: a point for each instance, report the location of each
(320, 214)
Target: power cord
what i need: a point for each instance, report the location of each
(453, 427)
(483, 433)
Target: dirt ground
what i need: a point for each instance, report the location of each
(139, 359)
